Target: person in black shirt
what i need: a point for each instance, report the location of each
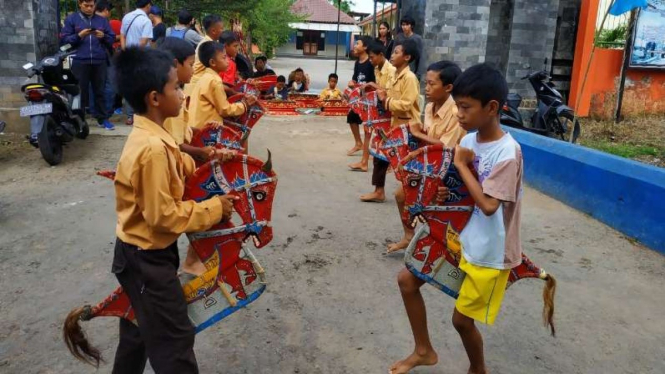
(158, 27)
(363, 72)
(261, 69)
(386, 39)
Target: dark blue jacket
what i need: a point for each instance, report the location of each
(90, 49)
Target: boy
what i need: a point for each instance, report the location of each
(298, 81)
(401, 99)
(149, 185)
(262, 70)
(440, 125)
(280, 91)
(183, 52)
(213, 26)
(363, 72)
(208, 102)
(332, 92)
(491, 240)
(384, 73)
(230, 75)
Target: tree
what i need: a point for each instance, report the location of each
(346, 5)
(268, 23)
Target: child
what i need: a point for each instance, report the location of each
(491, 240)
(298, 81)
(280, 91)
(213, 26)
(384, 73)
(440, 125)
(230, 76)
(363, 72)
(332, 92)
(262, 69)
(401, 99)
(149, 185)
(208, 102)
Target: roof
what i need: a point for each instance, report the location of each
(320, 11)
(380, 14)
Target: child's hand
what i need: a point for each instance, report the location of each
(463, 156)
(250, 100)
(224, 155)
(442, 194)
(352, 84)
(382, 94)
(227, 206)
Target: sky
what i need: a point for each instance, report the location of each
(366, 6)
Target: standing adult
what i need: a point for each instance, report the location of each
(136, 31)
(386, 39)
(92, 37)
(103, 9)
(158, 27)
(408, 25)
(183, 29)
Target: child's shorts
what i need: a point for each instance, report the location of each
(482, 292)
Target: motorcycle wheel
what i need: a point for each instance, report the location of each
(564, 120)
(49, 144)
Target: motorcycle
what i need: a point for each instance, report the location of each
(54, 106)
(552, 117)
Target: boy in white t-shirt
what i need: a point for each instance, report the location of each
(491, 239)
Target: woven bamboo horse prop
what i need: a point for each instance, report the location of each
(434, 253)
(234, 277)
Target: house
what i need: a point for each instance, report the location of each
(317, 34)
(386, 14)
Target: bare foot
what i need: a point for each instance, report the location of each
(358, 166)
(402, 244)
(373, 197)
(404, 366)
(354, 150)
(196, 268)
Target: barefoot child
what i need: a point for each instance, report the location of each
(491, 240)
(177, 127)
(208, 102)
(401, 99)
(332, 92)
(363, 72)
(149, 185)
(384, 72)
(440, 125)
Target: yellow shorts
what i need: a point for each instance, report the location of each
(482, 292)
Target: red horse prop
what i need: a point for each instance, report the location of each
(434, 253)
(234, 278)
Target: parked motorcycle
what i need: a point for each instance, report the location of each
(55, 112)
(552, 117)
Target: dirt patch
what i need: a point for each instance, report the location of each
(13, 146)
(641, 139)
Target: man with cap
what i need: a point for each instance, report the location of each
(158, 27)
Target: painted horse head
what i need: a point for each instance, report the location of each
(394, 145)
(246, 177)
(215, 135)
(245, 122)
(263, 84)
(370, 109)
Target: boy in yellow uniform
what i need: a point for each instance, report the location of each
(491, 240)
(401, 99)
(332, 92)
(213, 26)
(208, 102)
(440, 125)
(384, 73)
(149, 185)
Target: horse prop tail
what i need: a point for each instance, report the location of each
(548, 302)
(75, 338)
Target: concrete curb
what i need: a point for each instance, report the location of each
(627, 195)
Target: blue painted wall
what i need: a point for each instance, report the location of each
(626, 195)
(331, 40)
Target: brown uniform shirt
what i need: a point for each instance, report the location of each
(208, 101)
(384, 75)
(149, 185)
(403, 96)
(177, 126)
(443, 124)
(328, 94)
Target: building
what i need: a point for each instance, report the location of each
(387, 13)
(317, 35)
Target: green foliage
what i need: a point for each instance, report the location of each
(346, 5)
(626, 150)
(615, 37)
(268, 24)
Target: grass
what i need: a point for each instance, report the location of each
(641, 139)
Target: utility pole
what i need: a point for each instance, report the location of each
(624, 67)
(339, 15)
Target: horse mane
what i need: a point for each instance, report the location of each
(548, 303)
(76, 340)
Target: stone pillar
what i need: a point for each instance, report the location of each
(456, 30)
(30, 32)
(531, 41)
(415, 9)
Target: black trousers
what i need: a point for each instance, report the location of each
(379, 172)
(95, 75)
(164, 334)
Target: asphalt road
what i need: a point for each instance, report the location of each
(332, 303)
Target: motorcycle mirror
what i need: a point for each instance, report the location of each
(28, 66)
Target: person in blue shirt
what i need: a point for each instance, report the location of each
(91, 36)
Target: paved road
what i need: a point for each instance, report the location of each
(332, 305)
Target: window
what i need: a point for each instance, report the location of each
(322, 42)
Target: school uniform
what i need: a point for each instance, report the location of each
(443, 124)
(384, 78)
(331, 94)
(149, 185)
(208, 101)
(178, 127)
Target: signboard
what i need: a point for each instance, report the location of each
(649, 37)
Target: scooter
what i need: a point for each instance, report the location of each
(552, 117)
(55, 112)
